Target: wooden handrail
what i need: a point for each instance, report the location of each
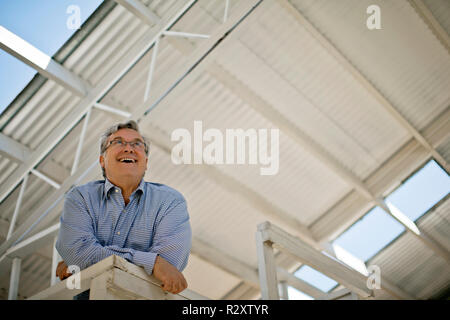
(114, 278)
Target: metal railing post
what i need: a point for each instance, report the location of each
(14, 280)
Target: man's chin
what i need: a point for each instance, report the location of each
(127, 177)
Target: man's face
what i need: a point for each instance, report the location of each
(124, 163)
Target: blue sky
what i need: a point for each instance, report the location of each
(43, 23)
(433, 184)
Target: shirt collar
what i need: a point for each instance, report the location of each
(141, 186)
(109, 185)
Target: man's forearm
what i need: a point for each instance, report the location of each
(87, 255)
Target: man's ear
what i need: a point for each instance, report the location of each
(102, 161)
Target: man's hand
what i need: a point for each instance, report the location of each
(172, 279)
(61, 271)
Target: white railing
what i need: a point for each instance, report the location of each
(113, 278)
(269, 236)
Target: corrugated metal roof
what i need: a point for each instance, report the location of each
(403, 60)
(413, 267)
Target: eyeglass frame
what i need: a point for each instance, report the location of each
(124, 143)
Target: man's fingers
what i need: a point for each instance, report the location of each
(167, 288)
(60, 269)
(174, 287)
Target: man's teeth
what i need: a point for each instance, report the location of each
(127, 160)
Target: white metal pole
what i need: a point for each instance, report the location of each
(185, 34)
(55, 260)
(225, 14)
(17, 208)
(283, 288)
(45, 178)
(14, 280)
(80, 142)
(152, 67)
(112, 110)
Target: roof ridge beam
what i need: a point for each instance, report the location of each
(41, 62)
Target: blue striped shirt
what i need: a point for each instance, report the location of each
(96, 223)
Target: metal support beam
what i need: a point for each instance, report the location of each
(17, 208)
(151, 69)
(44, 64)
(13, 149)
(140, 10)
(185, 34)
(106, 108)
(225, 13)
(435, 27)
(42, 176)
(14, 280)
(80, 142)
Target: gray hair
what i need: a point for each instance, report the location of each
(131, 124)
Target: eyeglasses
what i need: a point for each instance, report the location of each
(137, 144)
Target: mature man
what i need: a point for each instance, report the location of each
(145, 223)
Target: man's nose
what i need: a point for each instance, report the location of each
(128, 148)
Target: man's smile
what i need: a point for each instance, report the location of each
(127, 160)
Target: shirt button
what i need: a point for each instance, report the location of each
(117, 190)
(118, 233)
